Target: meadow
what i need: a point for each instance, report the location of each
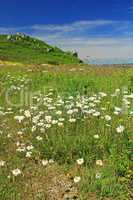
(66, 132)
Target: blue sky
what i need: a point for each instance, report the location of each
(101, 29)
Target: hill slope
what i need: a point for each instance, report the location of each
(25, 49)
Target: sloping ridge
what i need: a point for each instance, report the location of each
(23, 48)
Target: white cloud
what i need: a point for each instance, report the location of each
(80, 25)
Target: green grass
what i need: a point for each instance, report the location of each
(65, 144)
(30, 50)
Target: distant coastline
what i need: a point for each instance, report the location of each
(109, 61)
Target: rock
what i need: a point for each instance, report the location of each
(75, 54)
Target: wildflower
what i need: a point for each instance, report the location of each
(41, 112)
(51, 107)
(2, 163)
(97, 101)
(70, 97)
(72, 120)
(70, 112)
(28, 154)
(39, 138)
(19, 118)
(96, 136)
(91, 98)
(131, 112)
(21, 149)
(30, 147)
(33, 128)
(91, 111)
(126, 102)
(86, 107)
(35, 119)
(59, 112)
(60, 124)
(120, 129)
(54, 122)
(80, 161)
(77, 179)
(79, 105)
(40, 124)
(117, 110)
(51, 161)
(27, 113)
(47, 126)
(96, 114)
(16, 172)
(17, 143)
(9, 135)
(99, 162)
(61, 119)
(20, 133)
(48, 119)
(107, 117)
(102, 94)
(44, 162)
(129, 96)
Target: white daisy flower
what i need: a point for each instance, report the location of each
(2, 163)
(96, 136)
(28, 154)
(99, 162)
(96, 114)
(77, 179)
(59, 112)
(30, 147)
(107, 117)
(39, 138)
(120, 129)
(48, 119)
(60, 124)
(51, 161)
(27, 113)
(16, 172)
(44, 162)
(72, 120)
(19, 118)
(80, 161)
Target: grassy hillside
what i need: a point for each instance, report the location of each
(25, 49)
